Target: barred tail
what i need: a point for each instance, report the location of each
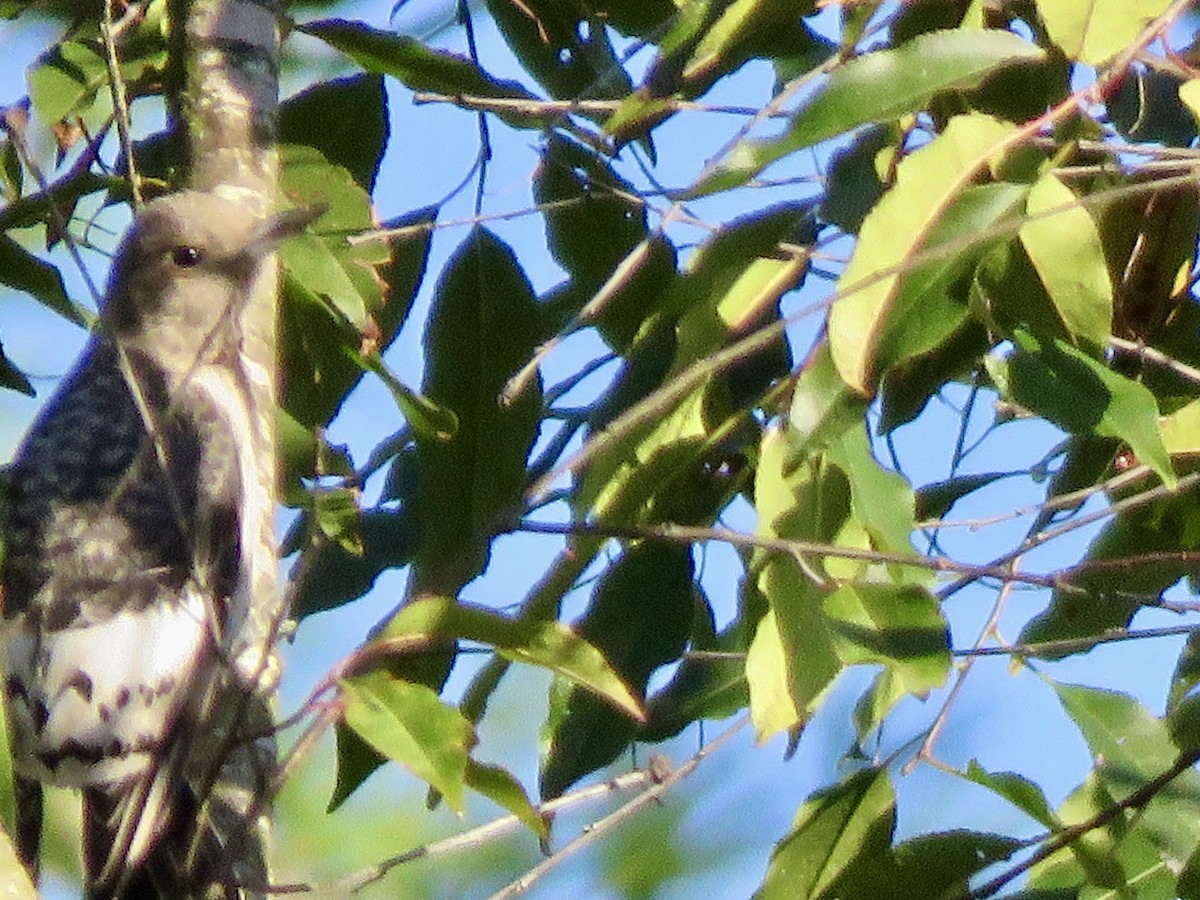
(142, 844)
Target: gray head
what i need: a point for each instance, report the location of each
(184, 271)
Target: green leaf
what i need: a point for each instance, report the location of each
(1148, 108)
(700, 689)
(483, 327)
(938, 865)
(1066, 250)
(356, 760)
(346, 119)
(1188, 886)
(1094, 857)
(1022, 793)
(901, 627)
(823, 406)
(838, 831)
(792, 661)
(855, 182)
(334, 296)
(549, 645)
(409, 724)
(591, 223)
(935, 500)
(734, 281)
(591, 228)
(873, 324)
(1135, 747)
(66, 79)
(1107, 596)
(882, 500)
(336, 514)
(499, 786)
(1093, 31)
(13, 378)
(708, 39)
(640, 619)
(910, 385)
(8, 798)
(773, 708)
(22, 271)
(558, 46)
(739, 26)
(419, 68)
(321, 258)
(1083, 396)
(334, 576)
(428, 420)
(878, 87)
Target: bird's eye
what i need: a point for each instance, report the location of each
(186, 257)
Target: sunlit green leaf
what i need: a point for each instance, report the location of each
(879, 86)
(550, 645)
(409, 724)
(1093, 31)
(869, 326)
(839, 831)
(1064, 246)
(1083, 395)
(499, 786)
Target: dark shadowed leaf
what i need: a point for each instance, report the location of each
(21, 270)
(333, 576)
(346, 119)
(639, 618)
(562, 48)
(1107, 597)
(415, 65)
(483, 327)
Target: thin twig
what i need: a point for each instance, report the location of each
(554, 108)
(988, 631)
(1072, 833)
(640, 779)
(601, 827)
(1149, 354)
(120, 98)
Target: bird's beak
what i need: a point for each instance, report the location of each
(273, 230)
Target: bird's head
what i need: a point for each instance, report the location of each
(185, 270)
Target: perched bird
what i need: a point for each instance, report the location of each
(123, 532)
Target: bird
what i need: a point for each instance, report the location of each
(124, 524)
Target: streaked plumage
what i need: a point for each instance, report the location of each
(123, 534)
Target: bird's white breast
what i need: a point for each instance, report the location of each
(113, 688)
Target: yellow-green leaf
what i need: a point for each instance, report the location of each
(1064, 245)
(896, 231)
(409, 724)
